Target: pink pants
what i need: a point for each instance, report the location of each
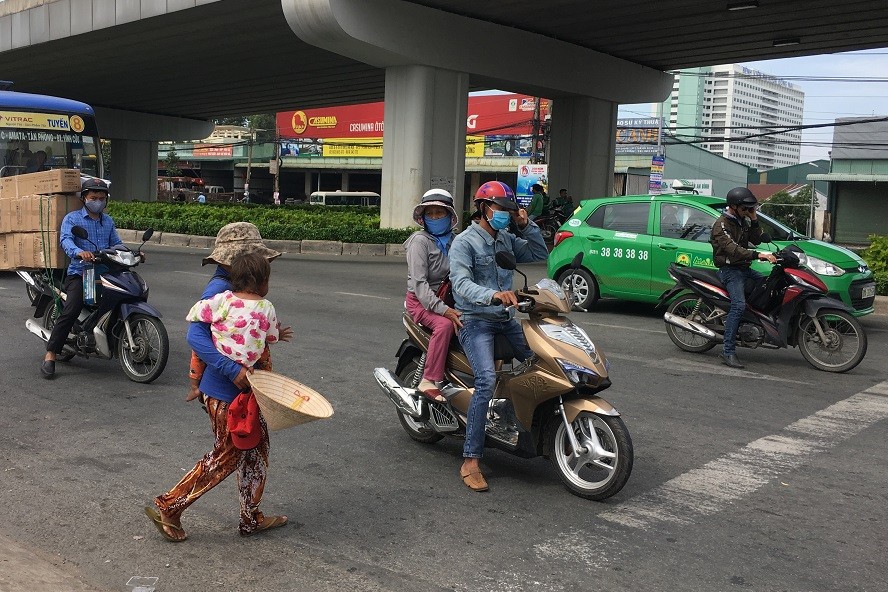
(439, 343)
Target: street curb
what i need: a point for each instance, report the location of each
(881, 305)
(304, 247)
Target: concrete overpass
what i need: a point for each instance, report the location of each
(193, 59)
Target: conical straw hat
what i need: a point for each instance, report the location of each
(285, 402)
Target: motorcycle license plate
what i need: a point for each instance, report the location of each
(868, 291)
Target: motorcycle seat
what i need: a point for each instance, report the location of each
(502, 347)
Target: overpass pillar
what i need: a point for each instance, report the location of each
(134, 170)
(581, 150)
(424, 141)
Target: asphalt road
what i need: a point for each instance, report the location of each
(767, 479)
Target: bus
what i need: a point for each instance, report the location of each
(39, 133)
(344, 198)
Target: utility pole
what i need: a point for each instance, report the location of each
(249, 163)
(534, 153)
(277, 170)
(811, 216)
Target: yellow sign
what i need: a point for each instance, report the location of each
(77, 124)
(362, 147)
(42, 121)
(474, 146)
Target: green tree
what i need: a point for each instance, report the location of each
(106, 157)
(236, 120)
(792, 210)
(171, 163)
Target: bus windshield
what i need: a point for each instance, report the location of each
(39, 133)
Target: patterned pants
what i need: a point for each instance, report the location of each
(251, 467)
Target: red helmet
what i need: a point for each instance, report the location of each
(498, 193)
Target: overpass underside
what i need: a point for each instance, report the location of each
(158, 69)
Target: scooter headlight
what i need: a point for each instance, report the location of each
(577, 374)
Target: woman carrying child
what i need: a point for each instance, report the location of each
(242, 323)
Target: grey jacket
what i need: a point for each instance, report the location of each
(427, 268)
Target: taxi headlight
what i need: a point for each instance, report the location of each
(819, 266)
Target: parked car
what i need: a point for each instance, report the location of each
(629, 241)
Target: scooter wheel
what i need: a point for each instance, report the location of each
(604, 466)
(684, 307)
(417, 430)
(146, 359)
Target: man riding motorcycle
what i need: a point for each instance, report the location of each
(102, 234)
(731, 236)
(482, 290)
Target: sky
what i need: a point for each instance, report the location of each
(845, 94)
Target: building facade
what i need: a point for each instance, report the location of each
(726, 108)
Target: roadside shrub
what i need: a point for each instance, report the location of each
(351, 224)
(876, 256)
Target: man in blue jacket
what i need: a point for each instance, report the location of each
(477, 281)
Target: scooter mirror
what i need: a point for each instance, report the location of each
(506, 260)
(148, 234)
(766, 238)
(577, 260)
(79, 232)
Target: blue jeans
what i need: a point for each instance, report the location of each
(734, 280)
(476, 337)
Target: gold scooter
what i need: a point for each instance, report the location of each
(548, 406)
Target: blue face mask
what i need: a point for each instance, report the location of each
(437, 227)
(500, 219)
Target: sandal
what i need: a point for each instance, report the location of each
(158, 521)
(265, 523)
(431, 391)
(474, 480)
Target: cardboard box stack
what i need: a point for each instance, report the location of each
(31, 210)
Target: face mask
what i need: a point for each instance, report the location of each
(500, 219)
(95, 207)
(437, 227)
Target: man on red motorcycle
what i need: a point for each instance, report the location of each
(731, 236)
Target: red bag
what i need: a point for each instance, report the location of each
(445, 293)
(243, 421)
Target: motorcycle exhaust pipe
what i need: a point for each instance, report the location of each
(693, 327)
(39, 331)
(400, 396)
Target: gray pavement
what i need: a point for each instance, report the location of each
(371, 510)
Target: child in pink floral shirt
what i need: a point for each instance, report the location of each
(241, 320)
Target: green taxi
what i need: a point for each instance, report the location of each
(629, 241)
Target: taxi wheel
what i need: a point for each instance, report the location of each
(584, 287)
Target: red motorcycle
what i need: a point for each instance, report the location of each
(789, 307)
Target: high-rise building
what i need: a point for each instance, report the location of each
(717, 106)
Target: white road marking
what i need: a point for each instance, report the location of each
(194, 273)
(710, 488)
(363, 295)
(622, 327)
(702, 367)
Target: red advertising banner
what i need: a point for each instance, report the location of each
(487, 115)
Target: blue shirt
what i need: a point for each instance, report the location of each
(475, 274)
(102, 232)
(221, 370)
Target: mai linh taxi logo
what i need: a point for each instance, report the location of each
(77, 124)
(299, 122)
(683, 259)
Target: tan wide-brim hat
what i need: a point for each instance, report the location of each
(435, 197)
(235, 239)
(285, 402)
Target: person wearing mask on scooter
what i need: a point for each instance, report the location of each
(732, 234)
(428, 266)
(477, 283)
(102, 235)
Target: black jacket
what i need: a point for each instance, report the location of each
(730, 241)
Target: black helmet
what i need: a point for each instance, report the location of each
(741, 196)
(93, 184)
